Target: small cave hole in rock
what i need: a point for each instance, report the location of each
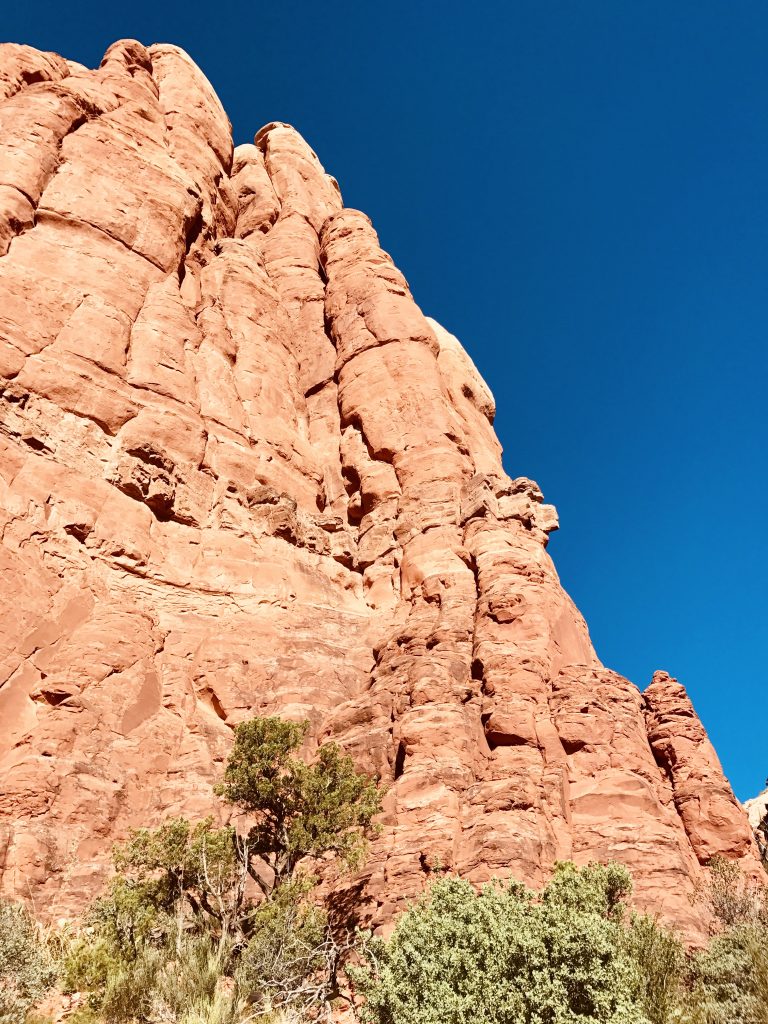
(161, 507)
(215, 704)
(485, 719)
(54, 697)
(79, 531)
(571, 746)
(35, 444)
(400, 759)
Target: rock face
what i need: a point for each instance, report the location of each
(757, 809)
(242, 473)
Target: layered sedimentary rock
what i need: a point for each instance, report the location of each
(241, 474)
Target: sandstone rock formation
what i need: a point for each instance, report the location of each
(757, 808)
(757, 811)
(242, 473)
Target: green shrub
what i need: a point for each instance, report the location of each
(660, 965)
(178, 938)
(291, 958)
(732, 898)
(26, 968)
(301, 810)
(728, 981)
(177, 892)
(160, 966)
(506, 955)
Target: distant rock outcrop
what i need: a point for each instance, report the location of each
(757, 808)
(757, 812)
(242, 473)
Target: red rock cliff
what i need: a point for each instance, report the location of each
(243, 473)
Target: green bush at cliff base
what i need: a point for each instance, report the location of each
(174, 944)
(26, 967)
(301, 810)
(659, 963)
(506, 955)
(728, 981)
(210, 925)
(206, 923)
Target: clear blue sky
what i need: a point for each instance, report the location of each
(579, 191)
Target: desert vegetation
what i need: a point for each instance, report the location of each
(572, 953)
(226, 924)
(221, 923)
(27, 968)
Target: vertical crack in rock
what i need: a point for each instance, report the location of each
(241, 473)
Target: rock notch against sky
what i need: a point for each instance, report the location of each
(241, 474)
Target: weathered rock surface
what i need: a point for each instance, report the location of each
(757, 808)
(243, 473)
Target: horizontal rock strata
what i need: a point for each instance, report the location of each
(241, 474)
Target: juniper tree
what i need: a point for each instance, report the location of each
(301, 809)
(179, 916)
